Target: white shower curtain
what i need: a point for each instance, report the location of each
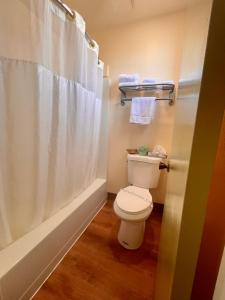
(50, 113)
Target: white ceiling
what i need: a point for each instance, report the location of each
(101, 13)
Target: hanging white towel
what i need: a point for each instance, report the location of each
(142, 110)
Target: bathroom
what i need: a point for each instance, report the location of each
(97, 199)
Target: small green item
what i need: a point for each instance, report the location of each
(143, 150)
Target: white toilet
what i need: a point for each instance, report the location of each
(133, 204)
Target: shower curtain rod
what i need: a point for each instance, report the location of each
(66, 8)
(72, 15)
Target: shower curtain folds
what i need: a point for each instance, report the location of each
(50, 113)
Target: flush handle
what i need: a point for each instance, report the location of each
(163, 165)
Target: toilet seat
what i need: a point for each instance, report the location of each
(133, 205)
(134, 200)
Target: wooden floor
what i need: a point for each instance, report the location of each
(98, 268)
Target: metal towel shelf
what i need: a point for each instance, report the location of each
(148, 87)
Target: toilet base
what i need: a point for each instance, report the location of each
(131, 234)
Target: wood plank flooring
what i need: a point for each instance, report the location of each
(98, 268)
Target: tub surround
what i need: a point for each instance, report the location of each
(28, 262)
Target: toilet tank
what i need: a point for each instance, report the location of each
(143, 171)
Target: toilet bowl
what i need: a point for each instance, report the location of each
(133, 205)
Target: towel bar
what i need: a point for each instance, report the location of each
(148, 87)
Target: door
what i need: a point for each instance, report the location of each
(213, 236)
(199, 111)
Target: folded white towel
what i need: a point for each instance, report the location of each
(142, 110)
(149, 80)
(129, 78)
(156, 81)
(128, 83)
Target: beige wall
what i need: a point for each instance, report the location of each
(151, 48)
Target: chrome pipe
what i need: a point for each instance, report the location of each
(72, 15)
(66, 8)
(90, 41)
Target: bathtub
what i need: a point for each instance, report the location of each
(28, 262)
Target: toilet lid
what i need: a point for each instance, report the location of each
(134, 200)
